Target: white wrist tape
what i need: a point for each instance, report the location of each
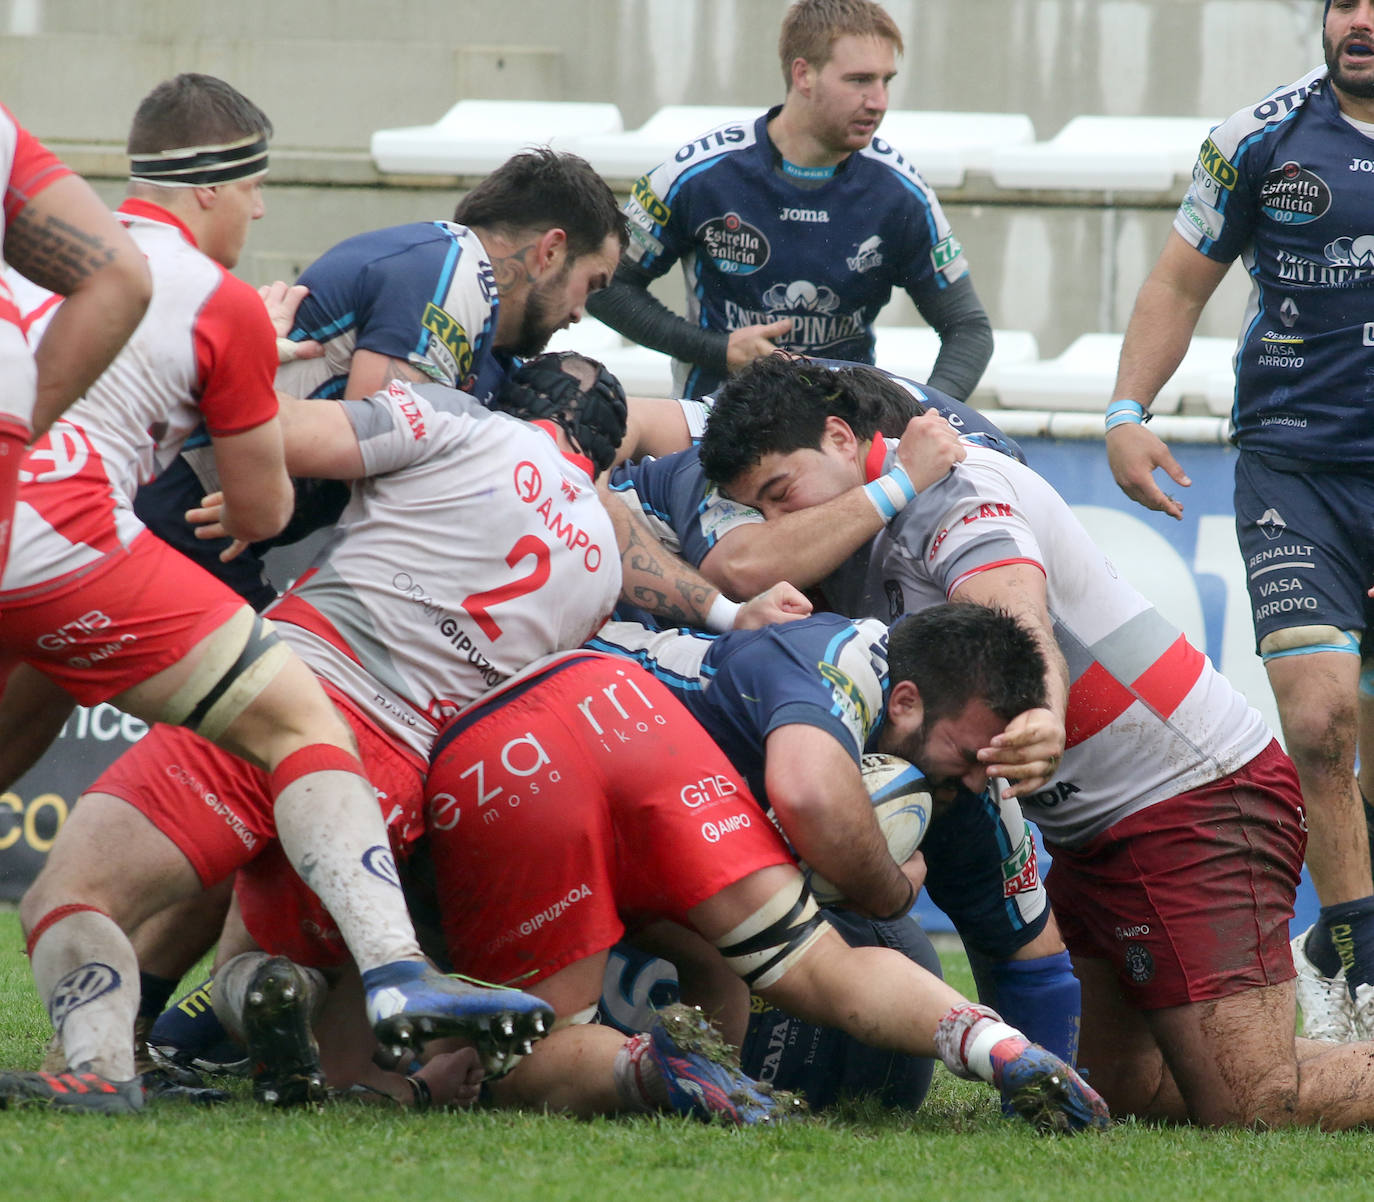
(721, 616)
(890, 492)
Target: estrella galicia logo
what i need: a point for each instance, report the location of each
(78, 987)
(1139, 963)
(1292, 195)
(379, 862)
(735, 246)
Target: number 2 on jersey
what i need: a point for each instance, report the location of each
(527, 547)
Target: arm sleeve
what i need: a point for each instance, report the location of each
(236, 355)
(957, 315)
(627, 305)
(33, 168)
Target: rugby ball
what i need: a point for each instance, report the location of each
(901, 804)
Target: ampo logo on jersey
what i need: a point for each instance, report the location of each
(1292, 195)
(735, 246)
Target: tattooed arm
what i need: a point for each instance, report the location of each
(655, 579)
(67, 241)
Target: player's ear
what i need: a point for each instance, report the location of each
(551, 250)
(801, 76)
(839, 435)
(207, 197)
(905, 710)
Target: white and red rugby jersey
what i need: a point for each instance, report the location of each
(205, 350)
(473, 548)
(1148, 716)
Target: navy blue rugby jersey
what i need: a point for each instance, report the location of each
(756, 246)
(1288, 185)
(423, 293)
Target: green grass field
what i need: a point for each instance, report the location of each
(957, 1148)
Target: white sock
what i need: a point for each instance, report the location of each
(331, 830)
(87, 976)
(638, 1086)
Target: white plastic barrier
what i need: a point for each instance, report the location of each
(1081, 379)
(911, 350)
(476, 136)
(944, 145)
(632, 153)
(641, 371)
(1143, 154)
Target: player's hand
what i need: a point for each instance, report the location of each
(1134, 452)
(781, 603)
(1027, 753)
(209, 523)
(454, 1078)
(282, 301)
(929, 448)
(915, 870)
(754, 342)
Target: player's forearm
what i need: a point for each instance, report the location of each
(1165, 315)
(802, 547)
(656, 580)
(1156, 340)
(851, 854)
(627, 306)
(957, 315)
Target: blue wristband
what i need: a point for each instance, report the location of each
(890, 492)
(1126, 412)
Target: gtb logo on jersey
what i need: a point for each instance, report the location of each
(69, 634)
(707, 789)
(64, 448)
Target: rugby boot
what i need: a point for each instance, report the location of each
(687, 1062)
(408, 1003)
(279, 1004)
(188, 1034)
(1328, 1011)
(169, 1083)
(77, 1090)
(1044, 1090)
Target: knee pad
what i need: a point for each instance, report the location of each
(243, 657)
(1308, 640)
(775, 936)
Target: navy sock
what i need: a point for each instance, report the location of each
(1351, 928)
(192, 1028)
(1321, 951)
(154, 994)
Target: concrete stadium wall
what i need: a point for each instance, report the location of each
(332, 71)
